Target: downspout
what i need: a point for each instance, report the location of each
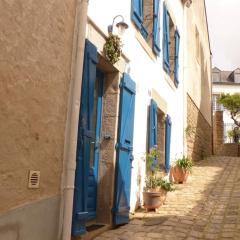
(70, 145)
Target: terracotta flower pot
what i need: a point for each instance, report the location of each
(179, 175)
(154, 199)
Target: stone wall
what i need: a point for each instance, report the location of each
(221, 149)
(198, 133)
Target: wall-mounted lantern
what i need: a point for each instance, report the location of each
(121, 26)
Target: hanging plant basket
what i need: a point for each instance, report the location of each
(113, 48)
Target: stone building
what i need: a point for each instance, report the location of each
(75, 128)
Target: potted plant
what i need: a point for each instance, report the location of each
(156, 188)
(234, 134)
(181, 169)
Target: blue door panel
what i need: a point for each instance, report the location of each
(124, 149)
(84, 203)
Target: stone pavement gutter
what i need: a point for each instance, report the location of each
(206, 207)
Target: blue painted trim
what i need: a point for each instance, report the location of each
(166, 40)
(98, 123)
(168, 126)
(176, 70)
(156, 27)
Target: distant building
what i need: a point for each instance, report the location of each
(224, 82)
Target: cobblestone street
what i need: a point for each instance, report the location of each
(207, 207)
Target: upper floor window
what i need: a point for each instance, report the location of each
(216, 77)
(171, 43)
(146, 16)
(237, 78)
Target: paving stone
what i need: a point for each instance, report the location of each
(206, 207)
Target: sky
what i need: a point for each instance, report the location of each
(224, 29)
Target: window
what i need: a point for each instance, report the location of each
(216, 77)
(146, 16)
(216, 105)
(171, 44)
(237, 78)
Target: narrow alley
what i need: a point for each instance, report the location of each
(207, 207)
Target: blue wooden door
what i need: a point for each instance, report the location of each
(84, 205)
(124, 149)
(95, 146)
(167, 142)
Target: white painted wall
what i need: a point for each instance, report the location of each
(226, 88)
(148, 74)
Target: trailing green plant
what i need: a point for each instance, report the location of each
(185, 163)
(113, 48)
(168, 186)
(154, 182)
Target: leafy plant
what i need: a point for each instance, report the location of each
(113, 48)
(151, 158)
(168, 186)
(234, 134)
(232, 104)
(185, 163)
(152, 182)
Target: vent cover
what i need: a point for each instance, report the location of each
(33, 179)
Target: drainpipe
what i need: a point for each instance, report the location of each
(70, 145)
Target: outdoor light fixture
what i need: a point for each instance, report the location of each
(122, 26)
(187, 2)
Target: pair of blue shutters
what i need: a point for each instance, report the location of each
(83, 205)
(166, 46)
(152, 137)
(137, 17)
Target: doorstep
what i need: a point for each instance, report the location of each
(93, 230)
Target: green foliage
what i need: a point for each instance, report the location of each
(113, 48)
(152, 182)
(168, 186)
(234, 134)
(150, 159)
(232, 104)
(185, 163)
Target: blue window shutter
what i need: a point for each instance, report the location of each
(152, 136)
(156, 27)
(177, 43)
(168, 126)
(137, 12)
(152, 132)
(166, 40)
(124, 152)
(137, 16)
